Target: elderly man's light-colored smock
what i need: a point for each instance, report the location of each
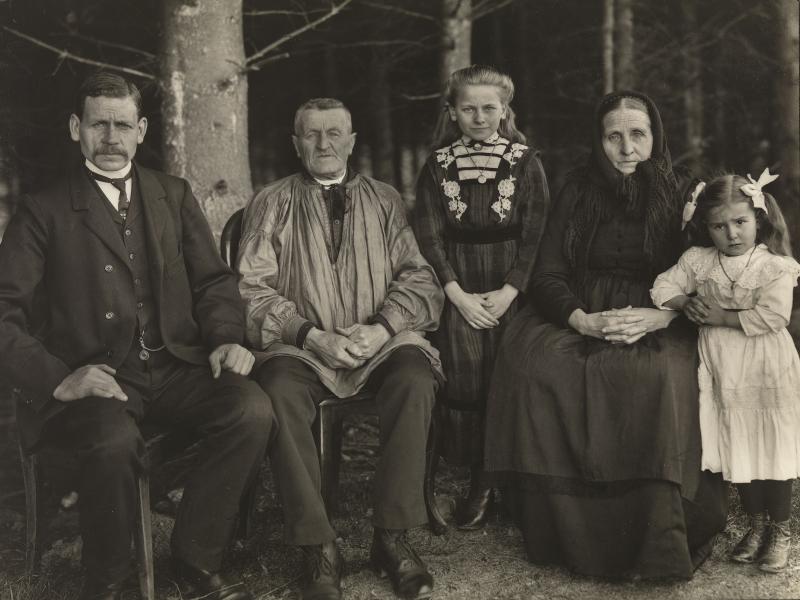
(288, 275)
(750, 377)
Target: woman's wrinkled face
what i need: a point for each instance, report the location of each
(627, 138)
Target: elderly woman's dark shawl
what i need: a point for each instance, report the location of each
(651, 192)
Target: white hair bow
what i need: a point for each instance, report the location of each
(753, 189)
(691, 204)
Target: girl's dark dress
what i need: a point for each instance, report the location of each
(597, 445)
(481, 251)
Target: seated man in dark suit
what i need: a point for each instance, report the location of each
(141, 319)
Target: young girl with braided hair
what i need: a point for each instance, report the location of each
(737, 285)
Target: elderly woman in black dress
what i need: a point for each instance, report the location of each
(592, 419)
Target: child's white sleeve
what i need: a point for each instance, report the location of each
(773, 307)
(678, 280)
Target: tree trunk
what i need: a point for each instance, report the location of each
(524, 30)
(408, 175)
(693, 92)
(499, 27)
(720, 148)
(456, 36)
(204, 103)
(608, 46)
(380, 116)
(331, 72)
(625, 71)
(787, 131)
(362, 157)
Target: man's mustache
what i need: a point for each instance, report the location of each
(113, 152)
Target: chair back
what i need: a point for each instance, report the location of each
(229, 240)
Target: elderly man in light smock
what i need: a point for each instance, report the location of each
(338, 299)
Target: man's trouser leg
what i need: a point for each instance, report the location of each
(405, 389)
(296, 391)
(234, 421)
(103, 434)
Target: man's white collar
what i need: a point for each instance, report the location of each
(110, 174)
(329, 182)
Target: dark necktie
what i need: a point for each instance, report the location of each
(124, 202)
(336, 196)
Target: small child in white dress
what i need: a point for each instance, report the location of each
(737, 285)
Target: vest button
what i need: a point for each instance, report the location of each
(109, 315)
(109, 268)
(128, 232)
(140, 305)
(131, 256)
(110, 353)
(137, 281)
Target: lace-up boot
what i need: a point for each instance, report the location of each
(775, 557)
(391, 554)
(749, 547)
(322, 572)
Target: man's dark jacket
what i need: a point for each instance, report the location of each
(64, 272)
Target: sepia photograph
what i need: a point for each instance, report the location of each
(399, 299)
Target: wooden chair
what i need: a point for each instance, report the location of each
(161, 447)
(333, 411)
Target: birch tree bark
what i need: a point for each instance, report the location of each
(456, 38)
(625, 71)
(204, 103)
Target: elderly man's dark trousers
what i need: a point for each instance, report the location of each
(230, 415)
(405, 389)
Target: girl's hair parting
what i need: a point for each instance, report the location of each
(727, 189)
(447, 131)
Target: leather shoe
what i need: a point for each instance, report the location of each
(322, 572)
(391, 554)
(775, 557)
(749, 547)
(208, 585)
(473, 510)
(93, 590)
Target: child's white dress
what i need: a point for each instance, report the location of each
(749, 378)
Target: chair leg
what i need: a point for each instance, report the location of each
(330, 454)
(436, 522)
(144, 539)
(247, 507)
(30, 477)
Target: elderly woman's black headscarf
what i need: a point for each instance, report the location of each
(651, 192)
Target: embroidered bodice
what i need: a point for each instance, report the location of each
(482, 163)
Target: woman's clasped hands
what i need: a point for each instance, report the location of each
(620, 325)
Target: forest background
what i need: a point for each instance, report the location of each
(221, 80)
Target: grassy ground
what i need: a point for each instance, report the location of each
(488, 564)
